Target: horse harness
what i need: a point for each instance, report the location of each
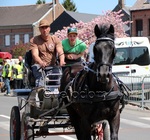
(83, 94)
(80, 82)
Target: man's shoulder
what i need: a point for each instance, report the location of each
(35, 38)
(81, 43)
(55, 39)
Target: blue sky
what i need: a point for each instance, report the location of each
(83, 6)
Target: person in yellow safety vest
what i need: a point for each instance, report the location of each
(20, 60)
(21, 63)
(17, 75)
(6, 74)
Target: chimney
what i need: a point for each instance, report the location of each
(56, 1)
(54, 9)
(121, 3)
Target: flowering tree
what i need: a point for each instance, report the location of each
(86, 30)
(19, 50)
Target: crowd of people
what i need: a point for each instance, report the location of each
(46, 49)
(11, 75)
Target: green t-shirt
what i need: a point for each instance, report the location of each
(78, 48)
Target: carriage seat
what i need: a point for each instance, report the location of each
(29, 80)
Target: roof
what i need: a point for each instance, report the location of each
(81, 16)
(72, 17)
(141, 5)
(125, 9)
(23, 15)
(126, 12)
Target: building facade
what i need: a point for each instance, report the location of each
(19, 23)
(140, 17)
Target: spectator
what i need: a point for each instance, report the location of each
(6, 74)
(17, 75)
(21, 63)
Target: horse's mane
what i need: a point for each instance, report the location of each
(105, 30)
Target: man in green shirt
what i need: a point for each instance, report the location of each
(73, 48)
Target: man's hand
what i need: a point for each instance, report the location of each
(69, 56)
(72, 56)
(62, 63)
(43, 64)
(75, 56)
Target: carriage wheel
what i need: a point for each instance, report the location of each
(102, 131)
(106, 130)
(15, 123)
(27, 132)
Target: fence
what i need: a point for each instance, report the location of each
(140, 90)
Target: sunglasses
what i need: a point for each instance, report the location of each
(44, 27)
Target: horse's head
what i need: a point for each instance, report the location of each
(104, 51)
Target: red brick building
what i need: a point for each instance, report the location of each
(140, 15)
(20, 23)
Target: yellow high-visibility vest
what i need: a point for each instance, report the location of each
(19, 74)
(4, 74)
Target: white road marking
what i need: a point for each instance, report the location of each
(64, 136)
(135, 123)
(4, 116)
(145, 118)
(67, 137)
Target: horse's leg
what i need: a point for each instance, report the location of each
(65, 79)
(81, 125)
(114, 126)
(83, 130)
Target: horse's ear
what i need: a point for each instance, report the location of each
(111, 29)
(96, 30)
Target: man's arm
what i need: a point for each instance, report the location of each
(37, 59)
(73, 56)
(61, 55)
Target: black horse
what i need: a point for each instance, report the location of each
(93, 95)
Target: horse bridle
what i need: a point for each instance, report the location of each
(103, 63)
(100, 64)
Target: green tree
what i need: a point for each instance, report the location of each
(69, 5)
(40, 2)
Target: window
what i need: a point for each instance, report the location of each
(122, 56)
(16, 39)
(139, 28)
(7, 40)
(140, 56)
(26, 38)
(132, 55)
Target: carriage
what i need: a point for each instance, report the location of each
(46, 115)
(87, 105)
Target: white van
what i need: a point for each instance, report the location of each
(132, 61)
(132, 57)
